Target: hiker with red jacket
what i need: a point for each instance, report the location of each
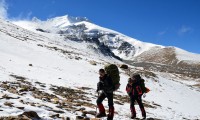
(135, 89)
(106, 86)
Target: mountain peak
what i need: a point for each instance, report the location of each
(68, 19)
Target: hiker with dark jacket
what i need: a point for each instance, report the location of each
(106, 86)
(135, 89)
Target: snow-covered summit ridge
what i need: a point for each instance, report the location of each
(52, 24)
(109, 37)
(121, 45)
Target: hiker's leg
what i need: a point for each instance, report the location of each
(101, 108)
(111, 106)
(132, 107)
(100, 98)
(139, 101)
(110, 99)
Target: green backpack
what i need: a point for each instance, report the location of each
(113, 71)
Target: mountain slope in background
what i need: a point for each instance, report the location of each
(132, 51)
(123, 46)
(51, 67)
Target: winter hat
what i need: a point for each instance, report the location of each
(136, 76)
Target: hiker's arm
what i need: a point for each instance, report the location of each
(100, 86)
(128, 89)
(143, 86)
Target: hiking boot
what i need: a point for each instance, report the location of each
(111, 113)
(133, 116)
(99, 115)
(143, 113)
(109, 118)
(101, 111)
(144, 117)
(133, 113)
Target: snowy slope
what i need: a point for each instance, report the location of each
(170, 56)
(65, 63)
(183, 55)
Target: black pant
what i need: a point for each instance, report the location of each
(136, 98)
(103, 95)
(139, 101)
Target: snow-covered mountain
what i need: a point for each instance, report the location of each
(51, 67)
(118, 45)
(123, 46)
(80, 30)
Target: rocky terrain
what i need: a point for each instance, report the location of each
(16, 95)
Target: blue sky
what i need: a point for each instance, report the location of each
(165, 22)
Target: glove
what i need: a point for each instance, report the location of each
(100, 86)
(129, 94)
(129, 90)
